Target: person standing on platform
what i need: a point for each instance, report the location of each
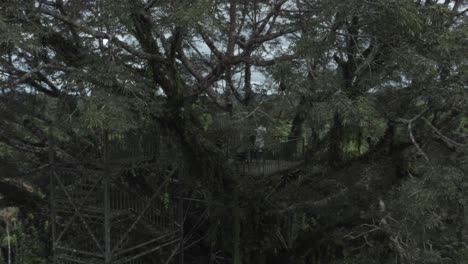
(260, 133)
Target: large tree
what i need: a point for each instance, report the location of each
(133, 64)
(377, 87)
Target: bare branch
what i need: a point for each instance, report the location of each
(272, 36)
(189, 65)
(28, 76)
(200, 55)
(457, 5)
(367, 61)
(415, 143)
(104, 35)
(212, 46)
(256, 61)
(275, 10)
(150, 4)
(445, 138)
(316, 203)
(410, 122)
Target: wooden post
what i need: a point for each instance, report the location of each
(181, 235)
(53, 214)
(107, 223)
(236, 229)
(263, 162)
(304, 152)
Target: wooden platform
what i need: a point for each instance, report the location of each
(267, 167)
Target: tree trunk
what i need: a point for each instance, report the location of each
(207, 163)
(335, 151)
(299, 119)
(297, 128)
(359, 140)
(8, 242)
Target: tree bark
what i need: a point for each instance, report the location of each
(8, 241)
(335, 157)
(299, 119)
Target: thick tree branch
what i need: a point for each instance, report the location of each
(257, 61)
(212, 46)
(442, 136)
(189, 65)
(200, 55)
(104, 35)
(232, 28)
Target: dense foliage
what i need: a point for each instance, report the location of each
(377, 88)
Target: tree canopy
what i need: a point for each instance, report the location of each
(378, 90)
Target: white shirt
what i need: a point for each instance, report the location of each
(260, 137)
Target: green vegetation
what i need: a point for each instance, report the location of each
(378, 90)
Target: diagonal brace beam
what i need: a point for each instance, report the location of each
(78, 212)
(140, 215)
(70, 221)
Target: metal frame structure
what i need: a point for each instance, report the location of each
(98, 218)
(279, 154)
